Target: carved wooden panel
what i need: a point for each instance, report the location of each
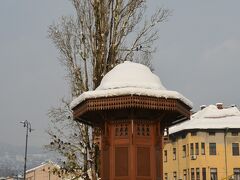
(106, 166)
(143, 161)
(123, 102)
(121, 129)
(158, 164)
(121, 161)
(143, 129)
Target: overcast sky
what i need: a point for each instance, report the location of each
(198, 55)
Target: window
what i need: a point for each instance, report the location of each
(234, 133)
(235, 149)
(184, 150)
(196, 149)
(174, 154)
(236, 172)
(165, 156)
(192, 174)
(166, 176)
(212, 149)
(211, 133)
(184, 136)
(187, 149)
(166, 139)
(175, 175)
(203, 148)
(191, 149)
(193, 133)
(197, 174)
(184, 174)
(204, 174)
(213, 173)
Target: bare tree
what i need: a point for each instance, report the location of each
(101, 34)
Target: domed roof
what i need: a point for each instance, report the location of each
(130, 78)
(130, 74)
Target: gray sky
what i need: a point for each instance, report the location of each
(198, 55)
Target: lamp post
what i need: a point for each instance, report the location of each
(27, 125)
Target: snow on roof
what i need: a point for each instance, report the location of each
(130, 74)
(210, 118)
(130, 78)
(42, 165)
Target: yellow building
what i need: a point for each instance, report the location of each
(205, 147)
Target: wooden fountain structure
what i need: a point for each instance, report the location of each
(132, 129)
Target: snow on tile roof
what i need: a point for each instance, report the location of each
(42, 165)
(210, 118)
(130, 78)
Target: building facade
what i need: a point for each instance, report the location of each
(43, 172)
(205, 147)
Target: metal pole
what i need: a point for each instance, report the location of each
(25, 158)
(28, 128)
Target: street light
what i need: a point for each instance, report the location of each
(27, 125)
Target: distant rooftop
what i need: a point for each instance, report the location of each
(42, 165)
(211, 117)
